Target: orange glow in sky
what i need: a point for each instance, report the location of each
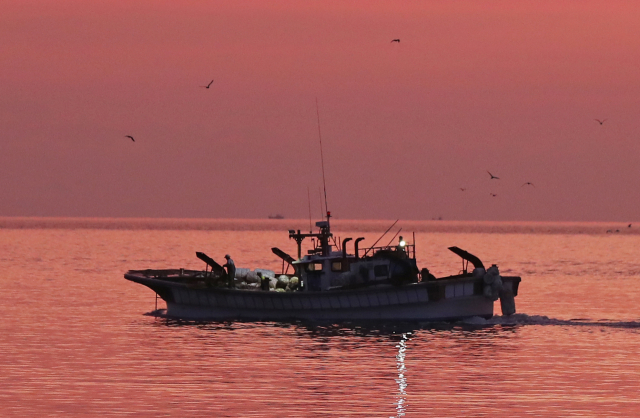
(513, 88)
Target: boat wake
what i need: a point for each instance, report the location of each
(159, 313)
(524, 319)
(476, 321)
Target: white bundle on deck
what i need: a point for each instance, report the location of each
(252, 277)
(283, 282)
(241, 273)
(479, 272)
(492, 283)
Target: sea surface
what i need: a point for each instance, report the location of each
(77, 339)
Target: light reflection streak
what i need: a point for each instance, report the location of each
(401, 404)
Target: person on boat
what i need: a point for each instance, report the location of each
(231, 270)
(426, 275)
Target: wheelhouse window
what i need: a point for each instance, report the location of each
(314, 267)
(336, 266)
(381, 271)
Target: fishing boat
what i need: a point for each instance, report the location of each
(331, 283)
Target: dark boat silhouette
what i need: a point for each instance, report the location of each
(329, 283)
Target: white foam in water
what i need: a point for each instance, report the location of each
(524, 319)
(160, 313)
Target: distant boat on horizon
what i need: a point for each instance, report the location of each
(276, 216)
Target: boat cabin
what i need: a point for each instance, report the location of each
(329, 265)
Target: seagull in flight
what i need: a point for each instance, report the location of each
(395, 40)
(600, 121)
(492, 176)
(129, 136)
(208, 85)
(527, 183)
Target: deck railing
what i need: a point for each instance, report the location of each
(408, 249)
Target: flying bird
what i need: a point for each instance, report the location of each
(493, 194)
(208, 85)
(528, 183)
(492, 176)
(629, 226)
(129, 136)
(463, 189)
(600, 121)
(395, 40)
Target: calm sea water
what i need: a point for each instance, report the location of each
(79, 340)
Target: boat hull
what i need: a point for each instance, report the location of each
(441, 300)
(435, 311)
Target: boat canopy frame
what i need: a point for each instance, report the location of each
(466, 258)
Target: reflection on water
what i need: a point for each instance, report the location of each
(401, 380)
(76, 340)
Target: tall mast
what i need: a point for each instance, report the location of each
(324, 183)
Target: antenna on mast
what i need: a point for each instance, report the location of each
(309, 199)
(324, 183)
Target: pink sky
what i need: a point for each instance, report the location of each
(509, 87)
